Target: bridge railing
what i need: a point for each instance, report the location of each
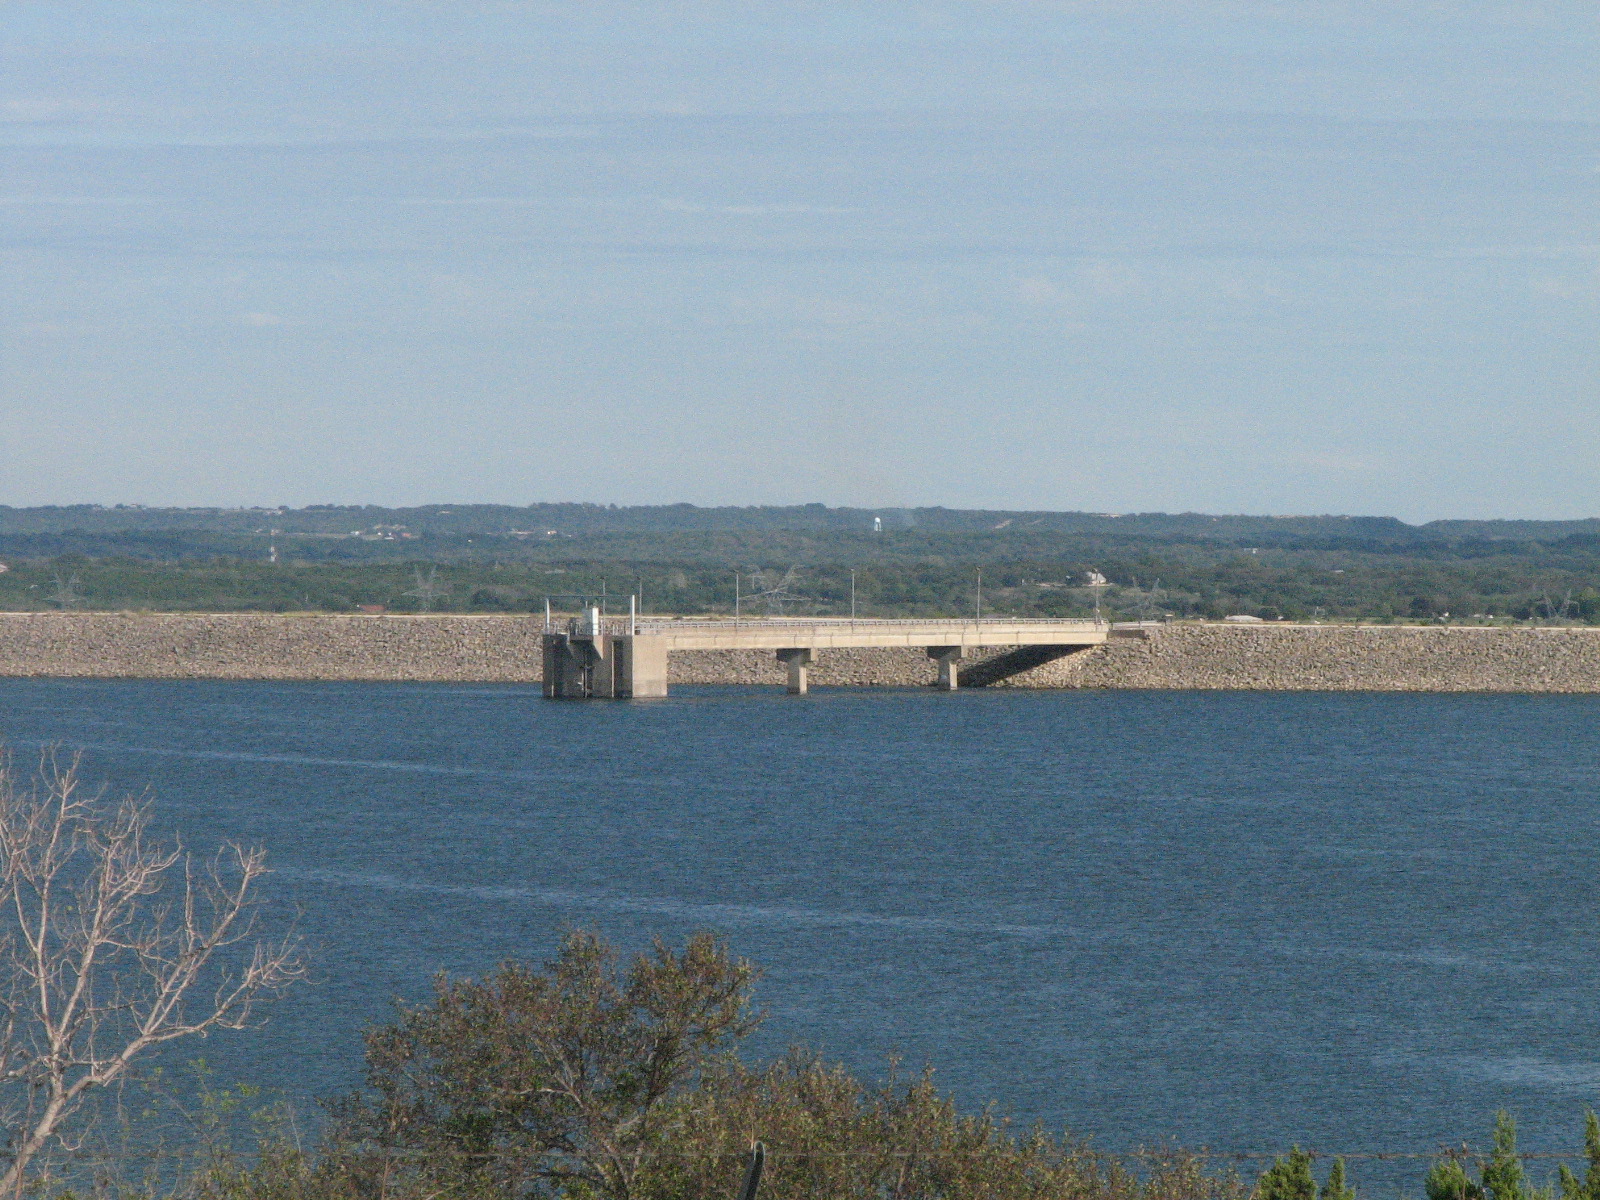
(667, 624)
(583, 627)
(624, 626)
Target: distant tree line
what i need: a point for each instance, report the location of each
(1153, 585)
(686, 560)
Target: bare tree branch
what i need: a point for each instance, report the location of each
(116, 944)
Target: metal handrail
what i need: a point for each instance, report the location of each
(848, 622)
(578, 626)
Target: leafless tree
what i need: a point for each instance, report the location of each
(111, 945)
(1554, 612)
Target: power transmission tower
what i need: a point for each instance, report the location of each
(1148, 605)
(428, 589)
(778, 594)
(66, 593)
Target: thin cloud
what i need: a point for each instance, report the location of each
(82, 200)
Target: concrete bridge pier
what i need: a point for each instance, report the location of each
(568, 668)
(949, 673)
(604, 667)
(797, 661)
(641, 667)
(600, 656)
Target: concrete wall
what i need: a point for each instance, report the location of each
(506, 649)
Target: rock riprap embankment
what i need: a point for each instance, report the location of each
(269, 646)
(1380, 658)
(506, 649)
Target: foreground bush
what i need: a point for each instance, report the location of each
(561, 1081)
(591, 1078)
(829, 1134)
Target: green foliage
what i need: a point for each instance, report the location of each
(591, 1078)
(1288, 1179)
(1568, 1185)
(1337, 1188)
(830, 1135)
(537, 1081)
(1448, 1180)
(683, 560)
(1591, 1150)
(1503, 1177)
(586, 1079)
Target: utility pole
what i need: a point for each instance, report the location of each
(980, 594)
(752, 1173)
(852, 595)
(736, 597)
(1097, 583)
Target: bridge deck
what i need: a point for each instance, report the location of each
(781, 634)
(613, 656)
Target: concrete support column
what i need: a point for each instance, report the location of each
(604, 667)
(947, 657)
(567, 668)
(641, 666)
(575, 671)
(797, 661)
(550, 653)
(602, 652)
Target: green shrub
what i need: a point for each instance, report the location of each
(1288, 1179)
(1503, 1177)
(1337, 1188)
(1448, 1180)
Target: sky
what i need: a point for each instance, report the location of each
(1264, 256)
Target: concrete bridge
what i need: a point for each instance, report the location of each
(626, 657)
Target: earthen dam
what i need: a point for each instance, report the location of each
(1188, 655)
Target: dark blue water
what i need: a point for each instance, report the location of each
(1360, 922)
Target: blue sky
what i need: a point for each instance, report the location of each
(1270, 256)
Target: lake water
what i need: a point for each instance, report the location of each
(1360, 922)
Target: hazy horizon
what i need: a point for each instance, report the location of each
(865, 510)
(1136, 256)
